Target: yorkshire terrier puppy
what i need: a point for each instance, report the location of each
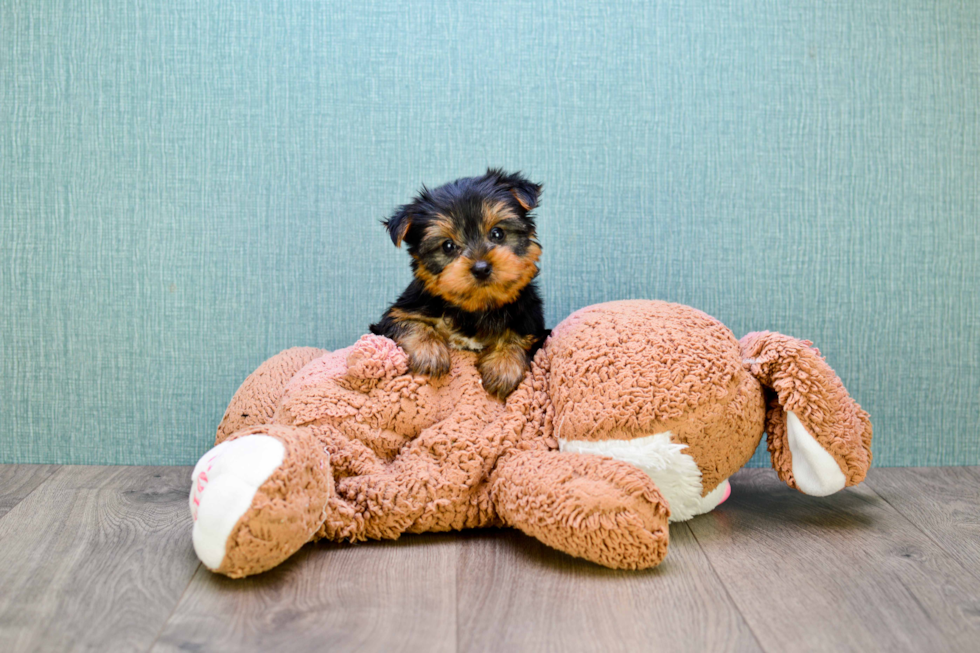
(474, 257)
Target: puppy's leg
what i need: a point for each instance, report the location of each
(504, 362)
(428, 352)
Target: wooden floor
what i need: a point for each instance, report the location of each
(100, 558)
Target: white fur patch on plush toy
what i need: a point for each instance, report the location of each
(674, 472)
(224, 483)
(815, 470)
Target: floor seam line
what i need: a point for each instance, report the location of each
(180, 599)
(725, 587)
(36, 488)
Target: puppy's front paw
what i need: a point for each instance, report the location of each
(429, 356)
(503, 371)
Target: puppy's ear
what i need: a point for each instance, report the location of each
(398, 224)
(525, 192)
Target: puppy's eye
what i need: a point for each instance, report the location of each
(496, 234)
(449, 247)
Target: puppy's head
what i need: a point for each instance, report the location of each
(472, 240)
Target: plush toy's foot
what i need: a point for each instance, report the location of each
(596, 508)
(674, 472)
(257, 498)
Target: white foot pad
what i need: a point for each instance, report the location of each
(223, 484)
(815, 470)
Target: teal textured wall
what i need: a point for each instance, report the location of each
(187, 188)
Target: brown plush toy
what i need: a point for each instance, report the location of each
(633, 413)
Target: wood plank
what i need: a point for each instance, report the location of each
(95, 558)
(516, 594)
(17, 481)
(374, 596)
(943, 502)
(840, 573)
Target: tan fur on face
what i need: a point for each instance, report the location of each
(441, 226)
(504, 363)
(496, 213)
(511, 273)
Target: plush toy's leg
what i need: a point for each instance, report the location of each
(258, 497)
(819, 437)
(257, 397)
(596, 508)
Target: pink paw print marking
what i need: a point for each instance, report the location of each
(200, 483)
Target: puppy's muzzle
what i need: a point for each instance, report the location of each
(481, 270)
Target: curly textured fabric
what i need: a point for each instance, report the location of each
(681, 360)
(258, 397)
(373, 451)
(603, 510)
(685, 376)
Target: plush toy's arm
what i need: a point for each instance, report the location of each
(819, 437)
(441, 468)
(438, 481)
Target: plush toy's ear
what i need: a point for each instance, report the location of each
(398, 224)
(819, 437)
(525, 192)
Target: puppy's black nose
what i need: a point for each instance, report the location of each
(481, 270)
